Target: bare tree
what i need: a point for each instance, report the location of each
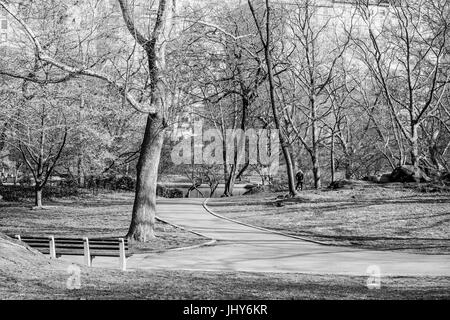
(38, 130)
(315, 47)
(406, 55)
(265, 34)
(152, 99)
(227, 79)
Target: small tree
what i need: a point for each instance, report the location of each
(39, 131)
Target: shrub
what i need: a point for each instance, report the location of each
(25, 181)
(166, 192)
(9, 197)
(59, 192)
(125, 183)
(18, 193)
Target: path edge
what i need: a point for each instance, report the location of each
(205, 205)
(210, 242)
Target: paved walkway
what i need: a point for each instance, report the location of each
(242, 248)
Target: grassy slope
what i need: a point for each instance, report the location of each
(107, 215)
(368, 216)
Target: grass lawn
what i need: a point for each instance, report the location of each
(27, 274)
(164, 285)
(368, 216)
(105, 215)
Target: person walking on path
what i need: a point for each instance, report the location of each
(299, 177)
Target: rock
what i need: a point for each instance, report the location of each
(340, 184)
(371, 178)
(406, 173)
(385, 178)
(376, 179)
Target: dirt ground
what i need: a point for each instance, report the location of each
(389, 217)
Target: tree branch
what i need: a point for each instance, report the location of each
(41, 55)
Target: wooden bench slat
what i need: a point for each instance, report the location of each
(90, 247)
(71, 240)
(77, 241)
(94, 253)
(79, 252)
(75, 245)
(64, 237)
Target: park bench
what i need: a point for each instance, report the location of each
(89, 248)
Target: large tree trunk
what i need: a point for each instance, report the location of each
(348, 169)
(332, 159)
(229, 184)
(242, 171)
(315, 147)
(226, 172)
(16, 174)
(80, 172)
(3, 137)
(315, 161)
(38, 196)
(290, 171)
(348, 160)
(316, 170)
(415, 147)
(269, 64)
(144, 209)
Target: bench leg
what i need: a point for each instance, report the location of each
(52, 247)
(122, 256)
(87, 253)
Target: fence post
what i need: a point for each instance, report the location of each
(123, 257)
(52, 247)
(87, 252)
(18, 237)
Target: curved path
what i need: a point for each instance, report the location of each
(243, 248)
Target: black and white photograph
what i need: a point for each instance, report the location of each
(224, 155)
